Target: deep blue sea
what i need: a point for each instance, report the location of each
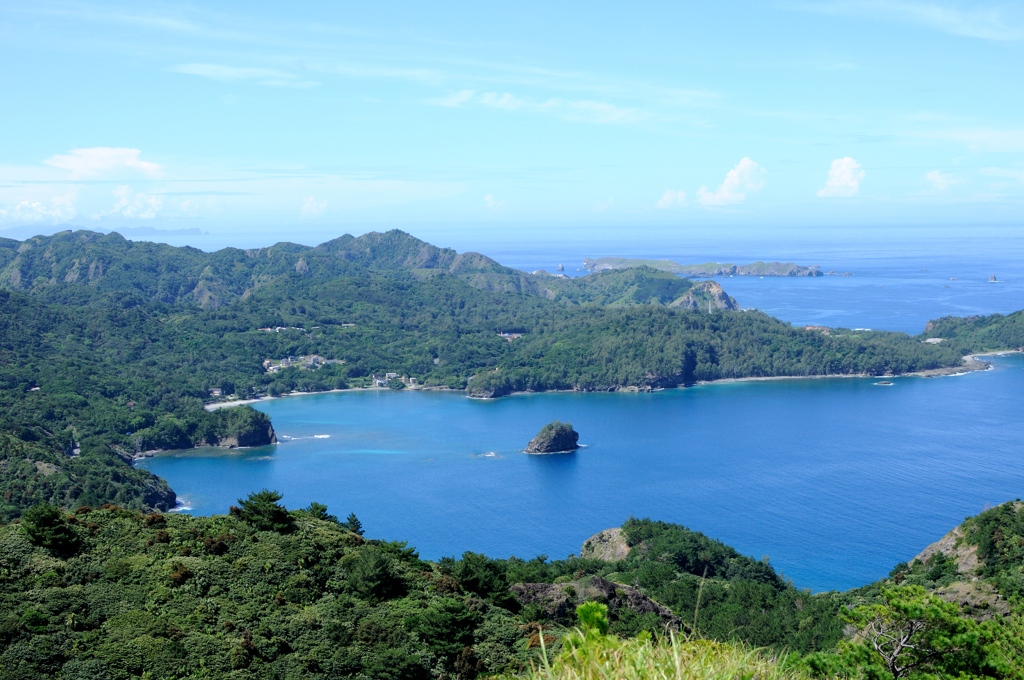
(836, 480)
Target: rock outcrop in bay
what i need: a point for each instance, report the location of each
(555, 437)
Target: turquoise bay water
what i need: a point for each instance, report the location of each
(836, 479)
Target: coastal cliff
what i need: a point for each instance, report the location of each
(260, 433)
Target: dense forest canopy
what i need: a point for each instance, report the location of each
(264, 592)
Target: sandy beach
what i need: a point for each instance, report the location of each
(241, 402)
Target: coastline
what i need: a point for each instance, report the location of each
(971, 363)
(242, 402)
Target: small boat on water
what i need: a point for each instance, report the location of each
(883, 382)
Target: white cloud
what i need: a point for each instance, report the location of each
(227, 74)
(492, 202)
(941, 181)
(59, 209)
(990, 23)
(311, 208)
(843, 178)
(746, 176)
(103, 160)
(132, 205)
(671, 199)
(603, 206)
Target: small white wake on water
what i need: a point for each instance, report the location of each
(321, 436)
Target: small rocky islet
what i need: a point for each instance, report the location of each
(555, 437)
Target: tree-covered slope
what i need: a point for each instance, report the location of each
(647, 346)
(979, 333)
(266, 593)
(75, 267)
(169, 596)
(31, 474)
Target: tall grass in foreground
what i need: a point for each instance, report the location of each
(604, 658)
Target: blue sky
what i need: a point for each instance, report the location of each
(275, 119)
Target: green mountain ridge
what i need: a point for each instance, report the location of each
(72, 266)
(69, 266)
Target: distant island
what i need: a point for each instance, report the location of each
(705, 270)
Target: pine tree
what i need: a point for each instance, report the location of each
(353, 524)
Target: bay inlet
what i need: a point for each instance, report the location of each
(836, 480)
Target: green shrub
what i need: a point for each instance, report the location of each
(593, 617)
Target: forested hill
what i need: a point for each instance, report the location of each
(104, 592)
(75, 267)
(268, 593)
(109, 347)
(981, 333)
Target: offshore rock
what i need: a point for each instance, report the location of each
(555, 437)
